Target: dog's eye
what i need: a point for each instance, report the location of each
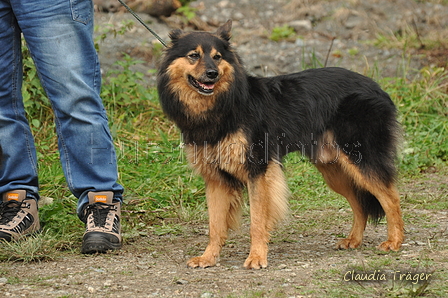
(194, 56)
(217, 57)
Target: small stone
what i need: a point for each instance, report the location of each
(300, 43)
(223, 4)
(182, 282)
(45, 201)
(238, 16)
(301, 26)
(353, 21)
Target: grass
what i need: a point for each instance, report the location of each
(162, 192)
(423, 106)
(282, 33)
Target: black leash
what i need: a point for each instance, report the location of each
(143, 23)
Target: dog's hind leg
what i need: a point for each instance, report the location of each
(268, 194)
(387, 195)
(224, 209)
(390, 200)
(341, 183)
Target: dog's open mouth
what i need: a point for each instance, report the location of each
(204, 88)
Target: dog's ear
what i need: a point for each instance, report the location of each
(224, 30)
(176, 34)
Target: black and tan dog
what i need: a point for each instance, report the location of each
(237, 128)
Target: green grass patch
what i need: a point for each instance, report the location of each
(284, 32)
(423, 109)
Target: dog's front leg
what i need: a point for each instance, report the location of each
(259, 233)
(268, 195)
(224, 209)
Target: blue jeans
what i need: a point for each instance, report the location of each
(59, 35)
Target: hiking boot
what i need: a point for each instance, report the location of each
(18, 215)
(103, 228)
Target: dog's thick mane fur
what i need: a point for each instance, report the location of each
(212, 125)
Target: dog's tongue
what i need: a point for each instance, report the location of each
(209, 86)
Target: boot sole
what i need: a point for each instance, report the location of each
(96, 242)
(5, 236)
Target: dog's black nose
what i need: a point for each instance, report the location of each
(212, 73)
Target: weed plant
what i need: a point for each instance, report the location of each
(284, 32)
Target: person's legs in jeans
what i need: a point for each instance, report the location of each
(18, 169)
(18, 162)
(59, 36)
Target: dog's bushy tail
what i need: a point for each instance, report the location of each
(370, 205)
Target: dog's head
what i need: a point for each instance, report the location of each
(199, 67)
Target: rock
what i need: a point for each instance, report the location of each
(155, 8)
(223, 4)
(106, 5)
(301, 26)
(353, 22)
(182, 282)
(3, 281)
(45, 201)
(300, 43)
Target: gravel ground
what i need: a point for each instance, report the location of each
(335, 33)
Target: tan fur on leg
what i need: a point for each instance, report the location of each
(224, 208)
(268, 195)
(341, 183)
(389, 199)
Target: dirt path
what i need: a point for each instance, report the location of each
(301, 265)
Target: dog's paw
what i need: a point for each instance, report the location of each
(390, 245)
(201, 262)
(255, 262)
(348, 243)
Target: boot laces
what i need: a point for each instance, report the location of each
(9, 210)
(100, 212)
